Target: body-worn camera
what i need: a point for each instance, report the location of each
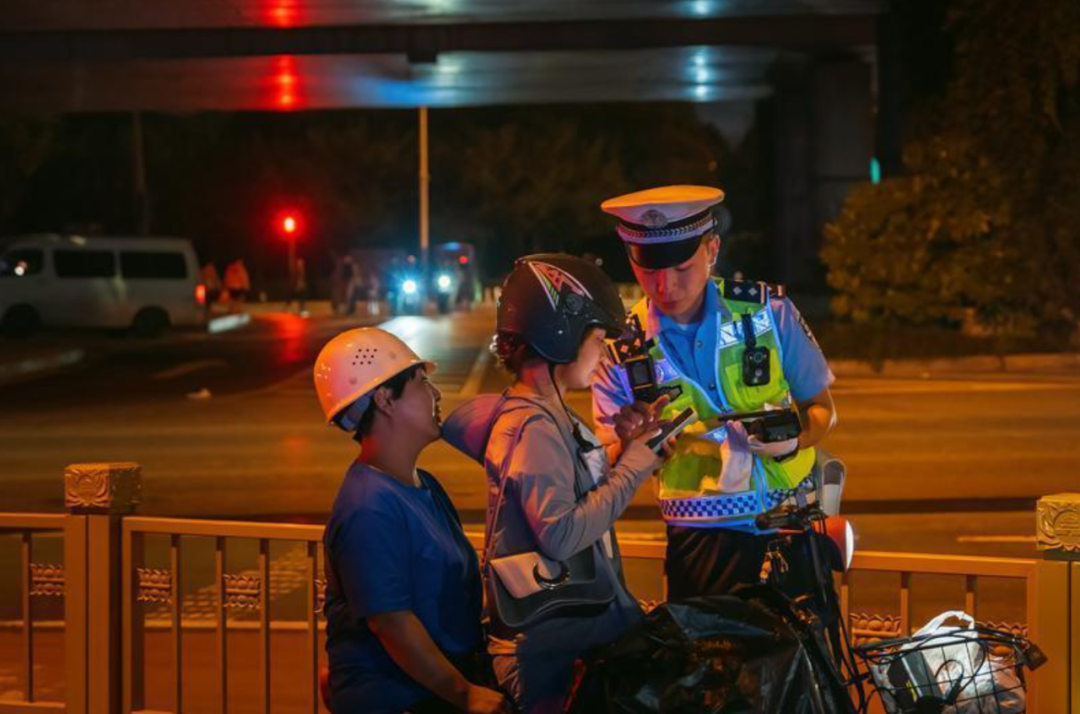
(756, 370)
(755, 366)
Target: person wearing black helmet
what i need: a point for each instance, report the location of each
(553, 496)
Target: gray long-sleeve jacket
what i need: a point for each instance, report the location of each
(531, 443)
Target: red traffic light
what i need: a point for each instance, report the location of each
(289, 224)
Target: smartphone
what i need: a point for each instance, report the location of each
(685, 418)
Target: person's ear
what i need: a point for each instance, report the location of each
(712, 249)
(382, 401)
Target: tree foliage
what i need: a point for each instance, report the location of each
(986, 217)
(508, 179)
(521, 180)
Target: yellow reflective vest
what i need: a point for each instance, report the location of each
(712, 478)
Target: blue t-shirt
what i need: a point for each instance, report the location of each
(392, 547)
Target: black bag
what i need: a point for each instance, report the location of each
(745, 653)
(528, 588)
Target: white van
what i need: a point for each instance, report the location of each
(145, 284)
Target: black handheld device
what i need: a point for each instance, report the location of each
(684, 419)
(632, 354)
(641, 374)
(768, 426)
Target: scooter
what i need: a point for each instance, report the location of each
(699, 652)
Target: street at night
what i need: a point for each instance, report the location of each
(944, 463)
(783, 249)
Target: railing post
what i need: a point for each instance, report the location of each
(1056, 623)
(97, 496)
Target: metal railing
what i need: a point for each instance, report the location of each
(1051, 607)
(109, 591)
(141, 585)
(35, 580)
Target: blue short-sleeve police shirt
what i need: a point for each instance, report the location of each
(692, 347)
(392, 547)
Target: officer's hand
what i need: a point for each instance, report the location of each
(486, 701)
(774, 449)
(637, 419)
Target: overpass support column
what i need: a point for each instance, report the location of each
(822, 128)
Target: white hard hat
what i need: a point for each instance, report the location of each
(354, 363)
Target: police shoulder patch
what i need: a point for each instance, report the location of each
(754, 291)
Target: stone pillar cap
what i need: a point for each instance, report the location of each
(1057, 525)
(113, 488)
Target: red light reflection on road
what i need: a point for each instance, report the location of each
(289, 331)
(286, 82)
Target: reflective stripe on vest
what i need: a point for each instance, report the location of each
(740, 506)
(731, 333)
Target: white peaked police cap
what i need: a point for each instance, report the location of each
(663, 227)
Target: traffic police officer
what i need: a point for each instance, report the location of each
(698, 332)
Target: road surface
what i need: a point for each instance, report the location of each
(952, 463)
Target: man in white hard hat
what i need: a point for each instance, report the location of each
(718, 346)
(403, 593)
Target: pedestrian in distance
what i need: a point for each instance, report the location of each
(298, 286)
(718, 346)
(339, 279)
(403, 596)
(374, 295)
(211, 280)
(237, 282)
(355, 286)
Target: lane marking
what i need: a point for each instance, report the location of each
(939, 388)
(226, 323)
(39, 364)
(476, 374)
(996, 539)
(188, 368)
(406, 327)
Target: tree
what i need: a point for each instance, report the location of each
(986, 218)
(518, 179)
(221, 179)
(509, 179)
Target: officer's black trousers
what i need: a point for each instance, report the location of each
(713, 561)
